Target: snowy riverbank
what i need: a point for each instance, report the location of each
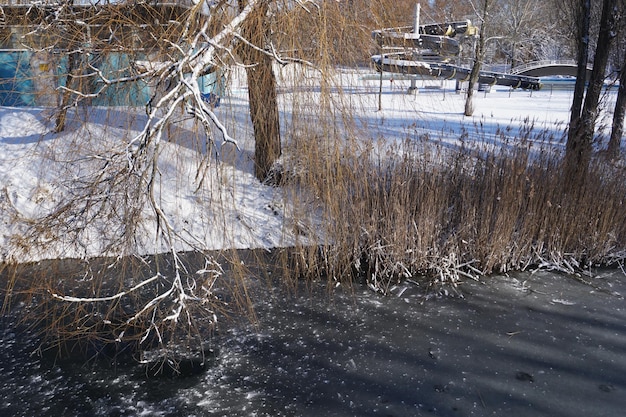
(212, 199)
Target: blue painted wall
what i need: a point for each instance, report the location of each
(16, 85)
(125, 94)
(18, 89)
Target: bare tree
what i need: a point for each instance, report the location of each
(523, 26)
(583, 18)
(254, 47)
(68, 22)
(617, 129)
(483, 13)
(114, 191)
(582, 129)
(451, 10)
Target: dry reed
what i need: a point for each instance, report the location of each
(436, 216)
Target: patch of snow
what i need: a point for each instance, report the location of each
(563, 302)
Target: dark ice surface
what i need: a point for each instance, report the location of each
(524, 344)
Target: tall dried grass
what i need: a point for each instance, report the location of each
(427, 213)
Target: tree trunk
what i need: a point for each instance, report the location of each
(513, 55)
(265, 116)
(261, 91)
(579, 143)
(73, 35)
(61, 116)
(584, 18)
(617, 130)
(474, 74)
(479, 53)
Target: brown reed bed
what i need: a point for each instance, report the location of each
(423, 212)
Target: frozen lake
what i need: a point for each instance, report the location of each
(522, 345)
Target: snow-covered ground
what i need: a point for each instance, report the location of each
(226, 206)
(39, 168)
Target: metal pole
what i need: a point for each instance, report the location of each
(380, 86)
(416, 23)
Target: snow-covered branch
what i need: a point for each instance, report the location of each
(119, 192)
